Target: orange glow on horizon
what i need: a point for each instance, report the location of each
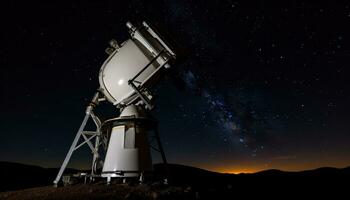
(291, 167)
(237, 170)
(243, 171)
(233, 170)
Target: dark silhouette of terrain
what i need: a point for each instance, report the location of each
(14, 176)
(184, 183)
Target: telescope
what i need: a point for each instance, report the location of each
(120, 145)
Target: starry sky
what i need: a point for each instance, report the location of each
(259, 85)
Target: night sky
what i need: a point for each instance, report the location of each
(260, 85)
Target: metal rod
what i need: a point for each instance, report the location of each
(144, 99)
(81, 144)
(90, 144)
(151, 62)
(96, 120)
(71, 149)
(95, 157)
(161, 150)
(154, 148)
(90, 133)
(160, 146)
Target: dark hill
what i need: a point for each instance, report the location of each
(18, 176)
(185, 183)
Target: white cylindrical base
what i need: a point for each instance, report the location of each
(128, 153)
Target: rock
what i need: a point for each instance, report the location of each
(188, 189)
(154, 195)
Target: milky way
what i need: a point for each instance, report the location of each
(228, 120)
(262, 84)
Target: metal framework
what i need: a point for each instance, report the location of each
(94, 139)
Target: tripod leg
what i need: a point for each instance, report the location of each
(88, 111)
(165, 162)
(95, 157)
(160, 147)
(71, 150)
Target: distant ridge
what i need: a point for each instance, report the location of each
(14, 176)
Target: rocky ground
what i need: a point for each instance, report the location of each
(102, 191)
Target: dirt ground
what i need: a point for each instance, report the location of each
(100, 191)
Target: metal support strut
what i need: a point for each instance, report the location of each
(88, 113)
(160, 150)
